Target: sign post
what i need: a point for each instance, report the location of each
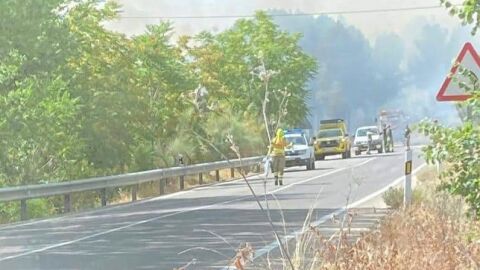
(407, 195)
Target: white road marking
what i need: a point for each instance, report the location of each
(114, 230)
(127, 204)
(270, 247)
(172, 214)
(329, 173)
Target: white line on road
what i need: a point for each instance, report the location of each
(119, 206)
(171, 214)
(124, 205)
(270, 247)
(315, 177)
(114, 230)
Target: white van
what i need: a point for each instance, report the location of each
(360, 143)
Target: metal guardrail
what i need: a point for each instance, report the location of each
(24, 193)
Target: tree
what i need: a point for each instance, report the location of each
(468, 12)
(79, 101)
(38, 127)
(34, 30)
(228, 62)
(459, 147)
(163, 81)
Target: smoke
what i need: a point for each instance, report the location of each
(435, 50)
(367, 62)
(357, 78)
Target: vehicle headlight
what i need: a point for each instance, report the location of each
(302, 152)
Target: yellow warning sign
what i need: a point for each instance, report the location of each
(408, 167)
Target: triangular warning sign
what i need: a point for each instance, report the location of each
(451, 91)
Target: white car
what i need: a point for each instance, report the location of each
(301, 153)
(360, 143)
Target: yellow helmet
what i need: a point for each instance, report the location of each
(280, 133)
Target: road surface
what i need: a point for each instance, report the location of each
(205, 224)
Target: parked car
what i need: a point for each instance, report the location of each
(360, 143)
(301, 153)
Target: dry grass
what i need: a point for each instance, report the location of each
(427, 175)
(419, 238)
(434, 234)
(152, 189)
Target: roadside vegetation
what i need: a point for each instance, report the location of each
(79, 101)
(433, 233)
(441, 228)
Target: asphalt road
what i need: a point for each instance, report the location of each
(205, 224)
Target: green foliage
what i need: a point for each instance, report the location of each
(78, 100)
(393, 197)
(230, 66)
(468, 12)
(36, 208)
(9, 212)
(34, 29)
(38, 131)
(459, 147)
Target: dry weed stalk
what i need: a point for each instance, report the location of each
(419, 238)
(236, 150)
(264, 75)
(185, 267)
(244, 255)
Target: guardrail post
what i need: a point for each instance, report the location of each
(407, 195)
(200, 179)
(23, 210)
(134, 192)
(103, 195)
(67, 203)
(100, 185)
(182, 182)
(162, 186)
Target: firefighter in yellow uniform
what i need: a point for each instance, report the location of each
(277, 152)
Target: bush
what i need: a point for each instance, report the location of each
(393, 197)
(36, 208)
(9, 212)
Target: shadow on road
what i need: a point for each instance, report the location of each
(163, 243)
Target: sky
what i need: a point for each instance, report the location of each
(371, 24)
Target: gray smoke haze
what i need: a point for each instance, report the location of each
(368, 62)
(358, 78)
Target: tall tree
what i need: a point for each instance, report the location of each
(36, 31)
(229, 65)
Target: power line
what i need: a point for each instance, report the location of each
(291, 14)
